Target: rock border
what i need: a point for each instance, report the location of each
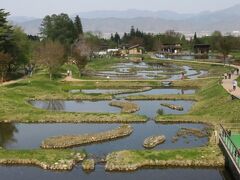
(173, 106)
(67, 141)
(88, 165)
(153, 141)
(60, 165)
(126, 106)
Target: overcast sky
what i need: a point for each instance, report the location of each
(40, 8)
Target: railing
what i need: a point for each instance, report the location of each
(232, 148)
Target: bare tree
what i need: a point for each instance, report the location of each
(5, 59)
(50, 54)
(81, 53)
(157, 46)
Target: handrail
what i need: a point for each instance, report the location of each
(232, 148)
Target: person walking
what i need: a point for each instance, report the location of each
(183, 75)
(235, 83)
(237, 71)
(229, 75)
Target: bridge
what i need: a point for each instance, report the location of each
(230, 144)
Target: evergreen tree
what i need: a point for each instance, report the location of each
(78, 25)
(117, 38)
(6, 32)
(132, 31)
(59, 28)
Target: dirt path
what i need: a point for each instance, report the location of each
(12, 82)
(228, 84)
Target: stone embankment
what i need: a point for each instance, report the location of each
(78, 140)
(119, 161)
(153, 141)
(60, 165)
(174, 107)
(126, 106)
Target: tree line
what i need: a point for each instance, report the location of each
(62, 39)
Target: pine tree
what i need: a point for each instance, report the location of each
(78, 25)
(117, 38)
(6, 32)
(132, 31)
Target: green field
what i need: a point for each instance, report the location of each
(236, 140)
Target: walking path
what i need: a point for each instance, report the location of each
(11, 82)
(228, 84)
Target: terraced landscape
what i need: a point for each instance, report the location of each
(37, 110)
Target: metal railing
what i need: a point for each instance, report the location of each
(232, 148)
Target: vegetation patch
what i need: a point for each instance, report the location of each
(126, 106)
(77, 140)
(153, 141)
(46, 159)
(88, 165)
(184, 132)
(164, 97)
(127, 160)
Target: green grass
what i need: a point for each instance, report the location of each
(215, 105)
(15, 108)
(45, 156)
(140, 158)
(214, 69)
(103, 63)
(236, 139)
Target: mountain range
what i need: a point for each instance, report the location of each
(107, 22)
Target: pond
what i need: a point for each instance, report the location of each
(149, 71)
(29, 173)
(30, 136)
(162, 91)
(189, 73)
(148, 108)
(125, 92)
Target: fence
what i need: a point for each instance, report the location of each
(232, 148)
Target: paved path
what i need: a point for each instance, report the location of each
(228, 84)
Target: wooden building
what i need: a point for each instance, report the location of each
(135, 50)
(171, 48)
(201, 48)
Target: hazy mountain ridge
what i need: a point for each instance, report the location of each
(225, 20)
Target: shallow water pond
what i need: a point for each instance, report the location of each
(148, 108)
(148, 71)
(30, 136)
(162, 91)
(29, 173)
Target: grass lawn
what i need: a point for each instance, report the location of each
(236, 139)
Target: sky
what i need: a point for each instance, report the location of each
(40, 8)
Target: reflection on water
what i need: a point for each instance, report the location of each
(148, 108)
(121, 91)
(30, 136)
(7, 132)
(53, 105)
(161, 91)
(29, 173)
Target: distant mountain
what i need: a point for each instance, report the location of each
(20, 19)
(226, 20)
(132, 13)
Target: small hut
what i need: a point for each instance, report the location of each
(171, 48)
(201, 49)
